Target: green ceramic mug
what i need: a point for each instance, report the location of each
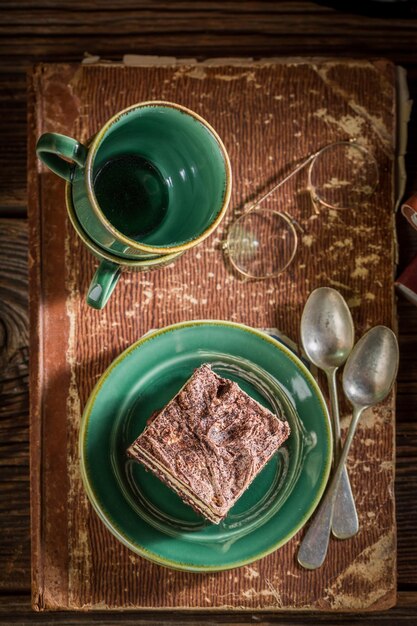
(154, 181)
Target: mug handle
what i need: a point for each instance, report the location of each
(104, 281)
(51, 147)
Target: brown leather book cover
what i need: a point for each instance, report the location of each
(270, 115)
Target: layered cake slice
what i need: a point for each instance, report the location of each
(209, 443)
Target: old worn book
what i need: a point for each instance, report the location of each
(270, 114)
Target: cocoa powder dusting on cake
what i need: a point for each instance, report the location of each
(212, 437)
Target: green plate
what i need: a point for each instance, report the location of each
(146, 515)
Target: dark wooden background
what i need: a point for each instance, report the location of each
(32, 31)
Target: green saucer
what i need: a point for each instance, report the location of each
(146, 515)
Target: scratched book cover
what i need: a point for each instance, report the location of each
(270, 114)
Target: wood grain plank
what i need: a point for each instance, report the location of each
(14, 410)
(237, 20)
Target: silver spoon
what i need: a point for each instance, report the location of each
(327, 335)
(368, 376)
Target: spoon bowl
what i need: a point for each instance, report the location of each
(371, 368)
(327, 331)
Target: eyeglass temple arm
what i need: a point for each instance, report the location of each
(284, 180)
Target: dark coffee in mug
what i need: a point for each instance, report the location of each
(132, 194)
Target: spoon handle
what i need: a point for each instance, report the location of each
(345, 521)
(314, 546)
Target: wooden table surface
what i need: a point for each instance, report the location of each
(32, 31)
